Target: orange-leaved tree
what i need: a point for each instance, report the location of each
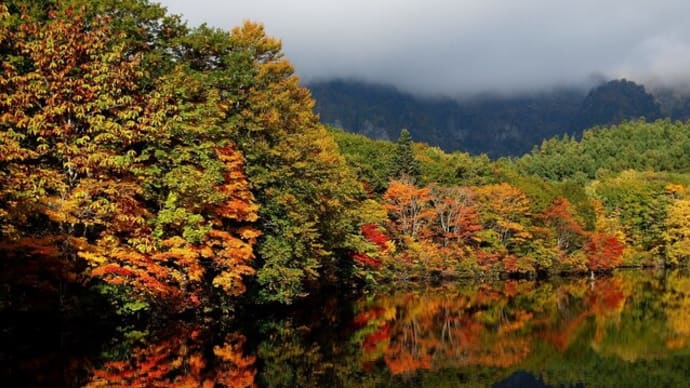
(604, 251)
(408, 208)
(307, 195)
(72, 115)
(559, 215)
(137, 180)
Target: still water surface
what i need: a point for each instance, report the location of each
(626, 330)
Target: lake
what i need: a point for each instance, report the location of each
(628, 329)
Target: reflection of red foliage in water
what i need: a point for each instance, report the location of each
(364, 317)
(613, 299)
(488, 324)
(401, 361)
(383, 333)
(510, 288)
(180, 361)
(468, 331)
(487, 295)
(561, 336)
(603, 297)
(607, 295)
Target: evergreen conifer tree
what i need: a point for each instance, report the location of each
(404, 162)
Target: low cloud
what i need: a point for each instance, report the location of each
(461, 47)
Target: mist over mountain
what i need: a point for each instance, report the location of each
(495, 125)
(536, 61)
(466, 47)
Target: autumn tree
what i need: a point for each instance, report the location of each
(142, 185)
(307, 195)
(559, 216)
(677, 232)
(604, 252)
(66, 136)
(456, 214)
(504, 209)
(638, 201)
(408, 207)
(374, 235)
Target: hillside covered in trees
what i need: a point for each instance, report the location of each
(496, 125)
(547, 212)
(167, 169)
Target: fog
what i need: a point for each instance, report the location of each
(464, 47)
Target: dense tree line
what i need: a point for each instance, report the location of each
(469, 216)
(660, 145)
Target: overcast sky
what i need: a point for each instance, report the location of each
(458, 47)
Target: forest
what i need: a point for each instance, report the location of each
(169, 170)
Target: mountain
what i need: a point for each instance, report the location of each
(495, 125)
(616, 101)
(673, 103)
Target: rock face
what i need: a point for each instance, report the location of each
(498, 126)
(616, 101)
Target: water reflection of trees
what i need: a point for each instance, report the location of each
(626, 329)
(185, 357)
(500, 325)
